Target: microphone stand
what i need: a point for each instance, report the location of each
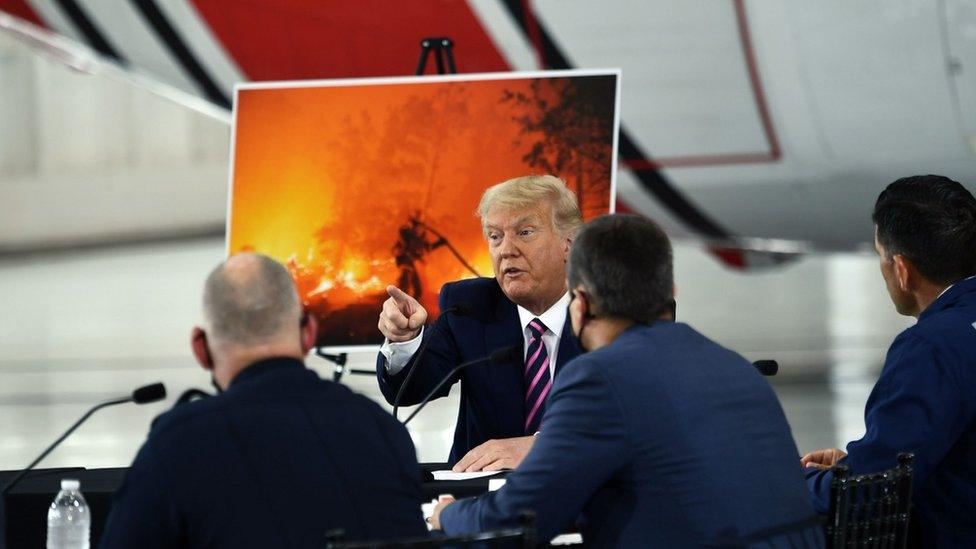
(458, 308)
(142, 395)
(61, 439)
(501, 355)
(437, 387)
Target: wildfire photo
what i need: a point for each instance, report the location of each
(358, 185)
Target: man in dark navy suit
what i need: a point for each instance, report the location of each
(925, 399)
(280, 457)
(657, 436)
(529, 224)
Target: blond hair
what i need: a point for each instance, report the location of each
(531, 190)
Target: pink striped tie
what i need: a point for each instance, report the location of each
(537, 378)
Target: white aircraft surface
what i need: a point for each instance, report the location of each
(764, 128)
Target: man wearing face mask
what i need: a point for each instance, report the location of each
(280, 457)
(657, 436)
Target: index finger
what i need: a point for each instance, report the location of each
(402, 299)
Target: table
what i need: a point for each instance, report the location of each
(23, 513)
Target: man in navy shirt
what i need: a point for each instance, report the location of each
(925, 399)
(280, 457)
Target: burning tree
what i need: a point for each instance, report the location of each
(571, 122)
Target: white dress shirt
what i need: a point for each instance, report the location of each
(398, 353)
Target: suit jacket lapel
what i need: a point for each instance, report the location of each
(568, 348)
(503, 331)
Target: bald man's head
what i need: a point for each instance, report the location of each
(250, 299)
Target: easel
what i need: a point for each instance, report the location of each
(443, 49)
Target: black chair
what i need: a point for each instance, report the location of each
(523, 537)
(871, 510)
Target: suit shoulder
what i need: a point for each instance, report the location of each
(587, 366)
(480, 285)
(479, 293)
(203, 414)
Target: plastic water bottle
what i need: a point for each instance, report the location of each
(68, 519)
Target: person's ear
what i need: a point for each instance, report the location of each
(567, 245)
(201, 350)
(585, 306)
(309, 332)
(904, 272)
(575, 308)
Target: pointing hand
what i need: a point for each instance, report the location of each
(402, 316)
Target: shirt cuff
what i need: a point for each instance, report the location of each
(398, 353)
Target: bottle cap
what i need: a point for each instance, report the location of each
(70, 484)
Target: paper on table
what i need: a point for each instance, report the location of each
(452, 475)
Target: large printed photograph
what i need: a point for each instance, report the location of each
(358, 184)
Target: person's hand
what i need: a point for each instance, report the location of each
(822, 459)
(402, 316)
(495, 455)
(435, 517)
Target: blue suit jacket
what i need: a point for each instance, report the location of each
(492, 395)
(925, 402)
(661, 439)
(278, 460)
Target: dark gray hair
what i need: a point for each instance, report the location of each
(625, 264)
(249, 299)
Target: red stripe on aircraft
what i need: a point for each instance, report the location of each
(532, 29)
(745, 38)
(19, 8)
(731, 257)
(297, 39)
(773, 154)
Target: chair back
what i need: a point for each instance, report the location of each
(871, 510)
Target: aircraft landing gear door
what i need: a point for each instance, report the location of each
(960, 29)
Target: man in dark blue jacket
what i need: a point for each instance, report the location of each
(281, 457)
(658, 436)
(529, 223)
(925, 399)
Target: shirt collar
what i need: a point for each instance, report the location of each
(263, 366)
(554, 318)
(942, 293)
(946, 297)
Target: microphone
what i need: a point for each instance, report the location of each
(498, 356)
(767, 367)
(149, 393)
(461, 308)
(142, 395)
